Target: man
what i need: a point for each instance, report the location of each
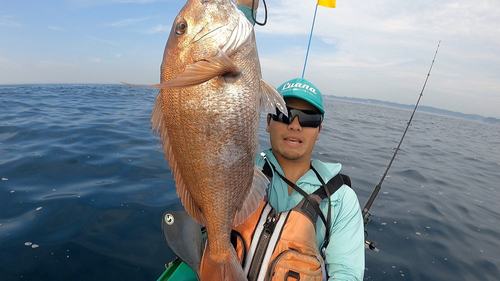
(292, 142)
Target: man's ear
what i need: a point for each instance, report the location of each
(319, 130)
(268, 122)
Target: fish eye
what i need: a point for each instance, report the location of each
(181, 28)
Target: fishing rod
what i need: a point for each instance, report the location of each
(366, 209)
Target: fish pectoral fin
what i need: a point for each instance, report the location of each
(141, 86)
(271, 99)
(252, 201)
(204, 70)
(200, 72)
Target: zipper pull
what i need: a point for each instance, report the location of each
(270, 223)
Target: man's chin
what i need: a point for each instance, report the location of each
(292, 156)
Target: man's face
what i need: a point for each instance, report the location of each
(292, 142)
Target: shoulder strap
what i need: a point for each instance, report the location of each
(311, 207)
(347, 180)
(267, 170)
(333, 185)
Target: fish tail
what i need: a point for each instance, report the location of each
(226, 268)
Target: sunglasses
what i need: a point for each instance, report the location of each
(307, 118)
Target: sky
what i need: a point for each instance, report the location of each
(379, 50)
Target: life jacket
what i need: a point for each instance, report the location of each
(283, 246)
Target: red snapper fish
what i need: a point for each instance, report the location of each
(207, 119)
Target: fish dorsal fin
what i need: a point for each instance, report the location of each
(271, 99)
(252, 201)
(157, 121)
(187, 200)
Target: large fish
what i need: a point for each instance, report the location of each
(207, 117)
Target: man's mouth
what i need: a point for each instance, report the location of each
(293, 140)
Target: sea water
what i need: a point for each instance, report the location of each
(84, 184)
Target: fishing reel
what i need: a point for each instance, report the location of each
(372, 245)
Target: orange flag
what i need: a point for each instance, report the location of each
(327, 3)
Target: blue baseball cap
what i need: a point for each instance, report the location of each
(302, 89)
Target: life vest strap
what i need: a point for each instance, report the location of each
(325, 192)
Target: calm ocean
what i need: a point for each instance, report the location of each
(83, 186)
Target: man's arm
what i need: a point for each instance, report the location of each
(345, 254)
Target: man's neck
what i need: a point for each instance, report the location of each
(294, 170)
